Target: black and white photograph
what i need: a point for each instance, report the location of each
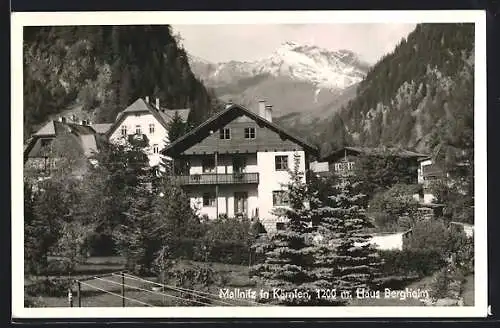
(242, 164)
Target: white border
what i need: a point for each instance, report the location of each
(18, 20)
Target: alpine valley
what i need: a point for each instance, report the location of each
(422, 89)
(304, 83)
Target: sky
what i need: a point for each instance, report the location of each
(220, 43)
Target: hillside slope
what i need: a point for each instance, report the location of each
(102, 69)
(408, 96)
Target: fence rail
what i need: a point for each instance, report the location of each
(219, 178)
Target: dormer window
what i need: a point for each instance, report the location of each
(151, 128)
(249, 133)
(155, 149)
(225, 133)
(124, 131)
(138, 129)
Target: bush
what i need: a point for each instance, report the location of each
(409, 263)
(49, 287)
(447, 283)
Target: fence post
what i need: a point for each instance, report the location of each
(123, 289)
(79, 293)
(70, 297)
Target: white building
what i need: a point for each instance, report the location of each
(238, 163)
(146, 121)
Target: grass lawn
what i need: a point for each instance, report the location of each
(236, 276)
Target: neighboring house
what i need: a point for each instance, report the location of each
(429, 173)
(238, 164)
(343, 161)
(57, 142)
(142, 119)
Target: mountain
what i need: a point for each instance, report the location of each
(102, 69)
(412, 96)
(298, 80)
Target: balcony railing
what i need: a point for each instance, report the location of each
(212, 178)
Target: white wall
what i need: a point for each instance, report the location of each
(259, 197)
(158, 137)
(421, 170)
(271, 180)
(225, 192)
(319, 166)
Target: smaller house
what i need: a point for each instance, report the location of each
(144, 120)
(343, 161)
(60, 141)
(429, 173)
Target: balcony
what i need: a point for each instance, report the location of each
(212, 178)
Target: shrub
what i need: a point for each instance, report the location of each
(409, 263)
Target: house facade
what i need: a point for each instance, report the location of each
(146, 121)
(238, 163)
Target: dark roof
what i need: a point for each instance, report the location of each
(84, 135)
(373, 152)
(223, 117)
(163, 116)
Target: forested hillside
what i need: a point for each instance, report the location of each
(408, 96)
(102, 69)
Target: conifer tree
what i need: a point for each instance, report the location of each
(135, 235)
(344, 260)
(287, 252)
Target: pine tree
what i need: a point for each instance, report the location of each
(344, 260)
(133, 236)
(287, 252)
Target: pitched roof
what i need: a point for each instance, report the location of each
(223, 117)
(101, 127)
(141, 106)
(47, 130)
(373, 151)
(84, 135)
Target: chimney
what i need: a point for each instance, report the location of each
(63, 119)
(262, 108)
(60, 118)
(147, 99)
(269, 113)
(229, 104)
(157, 103)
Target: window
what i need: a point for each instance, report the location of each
(151, 128)
(249, 133)
(280, 225)
(344, 166)
(45, 142)
(225, 133)
(281, 163)
(138, 129)
(209, 199)
(124, 131)
(208, 165)
(280, 198)
(155, 149)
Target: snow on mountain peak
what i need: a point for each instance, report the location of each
(328, 69)
(302, 62)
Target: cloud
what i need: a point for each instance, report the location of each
(220, 43)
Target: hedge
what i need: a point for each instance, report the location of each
(229, 252)
(411, 262)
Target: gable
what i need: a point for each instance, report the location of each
(265, 140)
(269, 136)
